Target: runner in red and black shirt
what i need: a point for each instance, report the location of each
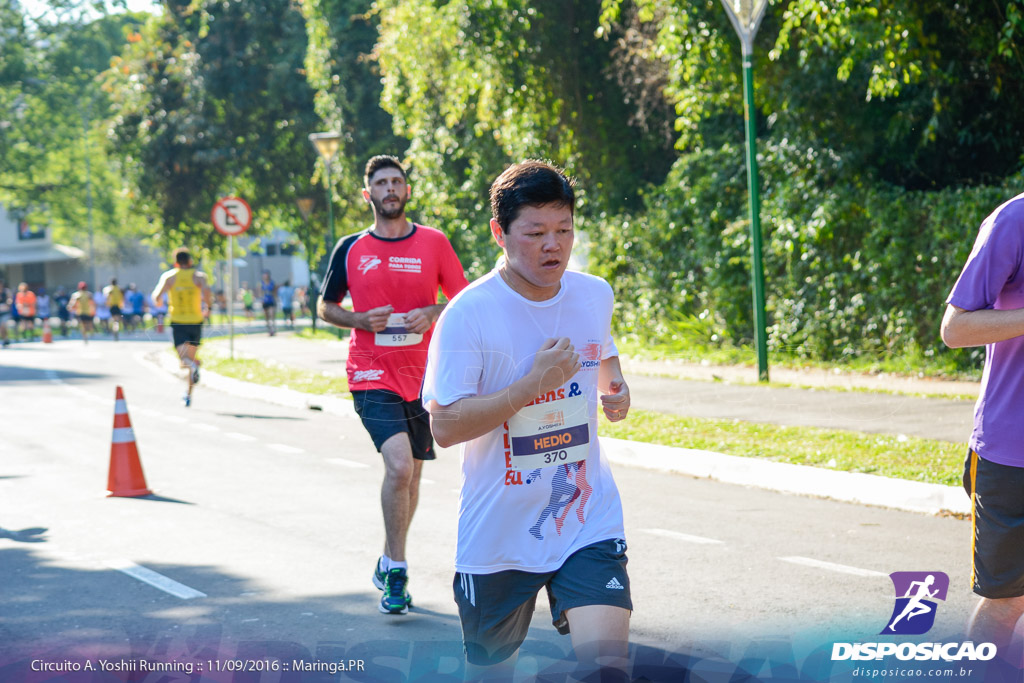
(392, 272)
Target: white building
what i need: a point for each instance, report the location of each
(28, 255)
(279, 252)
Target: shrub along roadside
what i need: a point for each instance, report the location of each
(854, 268)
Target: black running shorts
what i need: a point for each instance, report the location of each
(186, 334)
(998, 519)
(385, 414)
(495, 609)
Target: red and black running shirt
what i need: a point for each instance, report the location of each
(404, 272)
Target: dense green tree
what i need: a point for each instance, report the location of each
(52, 123)
(488, 82)
(339, 66)
(212, 101)
(864, 110)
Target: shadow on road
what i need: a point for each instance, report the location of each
(21, 373)
(29, 535)
(251, 416)
(56, 615)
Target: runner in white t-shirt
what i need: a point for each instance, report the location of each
(518, 365)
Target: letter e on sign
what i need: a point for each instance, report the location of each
(231, 216)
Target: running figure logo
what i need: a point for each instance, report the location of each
(568, 484)
(916, 592)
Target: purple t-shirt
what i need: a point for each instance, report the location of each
(993, 278)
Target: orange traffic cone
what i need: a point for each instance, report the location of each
(126, 478)
(160, 325)
(47, 333)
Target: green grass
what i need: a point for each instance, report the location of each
(926, 460)
(272, 374)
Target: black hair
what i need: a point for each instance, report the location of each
(378, 162)
(529, 183)
(182, 256)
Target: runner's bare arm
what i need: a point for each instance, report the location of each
(373, 320)
(162, 286)
(468, 418)
(614, 391)
(200, 279)
(962, 328)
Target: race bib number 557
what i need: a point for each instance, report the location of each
(396, 334)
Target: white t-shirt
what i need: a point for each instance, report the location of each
(524, 516)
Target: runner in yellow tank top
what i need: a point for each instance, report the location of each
(186, 304)
(115, 301)
(82, 307)
(190, 299)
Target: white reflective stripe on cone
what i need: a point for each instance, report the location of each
(120, 407)
(123, 435)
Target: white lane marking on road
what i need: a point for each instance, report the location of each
(175, 419)
(424, 480)
(689, 538)
(203, 427)
(284, 448)
(149, 412)
(155, 579)
(239, 436)
(347, 463)
(831, 566)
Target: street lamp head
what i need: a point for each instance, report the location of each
(305, 206)
(746, 16)
(326, 144)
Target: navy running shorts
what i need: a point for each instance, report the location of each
(495, 609)
(385, 413)
(998, 519)
(186, 334)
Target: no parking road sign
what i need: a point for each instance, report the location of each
(231, 216)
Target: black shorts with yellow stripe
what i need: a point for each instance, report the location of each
(997, 506)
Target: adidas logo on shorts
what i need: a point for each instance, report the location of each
(615, 585)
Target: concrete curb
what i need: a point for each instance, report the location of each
(851, 487)
(276, 395)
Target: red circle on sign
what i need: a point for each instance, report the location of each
(231, 216)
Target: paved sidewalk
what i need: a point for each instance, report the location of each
(938, 418)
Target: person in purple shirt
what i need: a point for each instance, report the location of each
(986, 307)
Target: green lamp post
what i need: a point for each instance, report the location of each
(327, 145)
(746, 16)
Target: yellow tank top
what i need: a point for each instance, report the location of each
(83, 303)
(186, 305)
(115, 297)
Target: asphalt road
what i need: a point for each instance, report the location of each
(265, 526)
